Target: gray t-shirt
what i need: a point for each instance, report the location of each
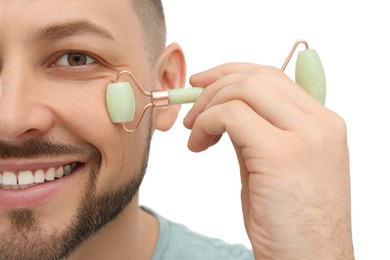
(177, 242)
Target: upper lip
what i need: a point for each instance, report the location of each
(25, 165)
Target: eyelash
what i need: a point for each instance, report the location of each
(63, 55)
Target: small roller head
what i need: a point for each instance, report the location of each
(309, 74)
(120, 102)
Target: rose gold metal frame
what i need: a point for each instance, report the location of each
(292, 53)
(158, 98)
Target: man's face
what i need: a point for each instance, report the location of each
(56, 59)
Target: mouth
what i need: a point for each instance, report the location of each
(20, 180)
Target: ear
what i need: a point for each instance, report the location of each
(171, 69)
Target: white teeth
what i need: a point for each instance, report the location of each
(39, 176)
(9, 178)
(25, 178)
(60, 172)
(50, 174)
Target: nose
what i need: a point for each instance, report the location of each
(23, 113)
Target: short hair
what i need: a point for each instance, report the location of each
(151, 15)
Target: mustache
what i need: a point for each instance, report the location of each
(38, 148)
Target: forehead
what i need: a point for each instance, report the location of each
(117, 17)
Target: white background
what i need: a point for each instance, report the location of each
(352, 39)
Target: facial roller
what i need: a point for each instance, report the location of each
(120, 99)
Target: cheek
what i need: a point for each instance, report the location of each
(123, 159)
(81, 111)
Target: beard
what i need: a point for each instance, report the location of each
(25, 239)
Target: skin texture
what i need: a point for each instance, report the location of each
(64, 105)
(292, 151)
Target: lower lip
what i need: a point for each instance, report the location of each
(35, 196)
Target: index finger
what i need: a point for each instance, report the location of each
(210, 76)
(296, 93)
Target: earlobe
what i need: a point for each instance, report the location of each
(171, 69)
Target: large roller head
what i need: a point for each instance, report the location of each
(309, 74)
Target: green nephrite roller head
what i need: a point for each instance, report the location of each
(120, 102)
(309, 74)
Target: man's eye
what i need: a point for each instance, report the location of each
(75, 59)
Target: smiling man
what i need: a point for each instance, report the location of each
(69, 177)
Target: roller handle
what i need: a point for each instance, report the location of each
(184, 96)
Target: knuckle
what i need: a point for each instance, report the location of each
(339, 127)
(339, 123)
(265, 70)
(263, 75)
(235, 108)
(329, 132)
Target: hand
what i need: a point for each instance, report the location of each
(293, 159)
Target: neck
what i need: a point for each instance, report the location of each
(132, 235)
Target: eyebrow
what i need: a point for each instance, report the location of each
(60, 31)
